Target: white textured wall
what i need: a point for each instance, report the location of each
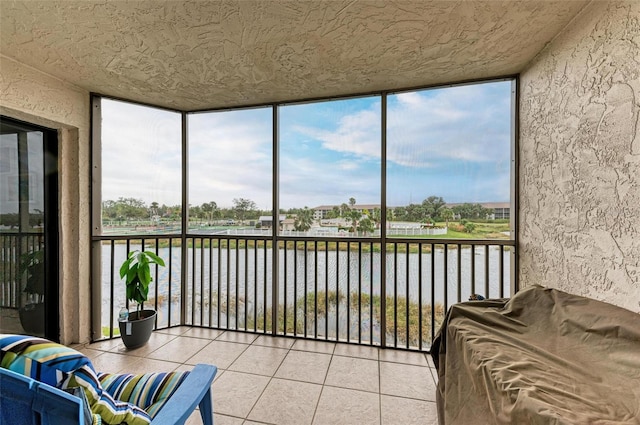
(32, 96)
(580, 158)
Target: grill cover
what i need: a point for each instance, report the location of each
(542, 357)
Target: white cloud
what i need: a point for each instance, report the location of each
(426, 127)
(230, 152)
(140, 153)
(230, 157)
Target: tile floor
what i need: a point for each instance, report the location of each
(272, 380)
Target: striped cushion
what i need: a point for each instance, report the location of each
(149, 391)
(40, 359)
(63, 367)
(110, 409)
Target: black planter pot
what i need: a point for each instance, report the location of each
(137, 330)
(32, 318)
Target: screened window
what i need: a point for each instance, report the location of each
(449, 162)
(141, 169)
(231, 172)
(330, 174)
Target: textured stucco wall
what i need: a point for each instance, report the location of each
(32, 96)
(194, 54)
(580, 158)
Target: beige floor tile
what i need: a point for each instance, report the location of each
(176, 330)
(399, 356)
(235, 393)
(398, 410)
(203, 333)
(179, 349)
(305, 366)
(240, 337)
(274, 341)
(287, 403)
(315, 346)
(188, 368)
(113, 363)
(106, 345)
(150, 366)
(259, 360)
(360, 351)
(219, 353)
(226, 420)
(89, 352)
(339, 406)
(352, 376)
(353, 373)
(195, 419)
(156, 341)
(407, 381)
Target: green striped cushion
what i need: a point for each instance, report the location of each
(63, 367)
(40, 359)
(149, 391)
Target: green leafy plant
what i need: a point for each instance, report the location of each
(32, 264)
(136, 270)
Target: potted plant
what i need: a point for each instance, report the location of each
(136, 270)
(32, 313)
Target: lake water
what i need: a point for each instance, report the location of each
(215, 273)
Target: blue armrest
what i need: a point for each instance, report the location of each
(194, 391)
(23, 401)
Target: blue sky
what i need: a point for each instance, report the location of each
(451, 142)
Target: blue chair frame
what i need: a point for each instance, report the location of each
(25, 401)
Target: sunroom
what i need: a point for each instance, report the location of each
(202, 118)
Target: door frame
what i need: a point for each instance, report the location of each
(51, 223)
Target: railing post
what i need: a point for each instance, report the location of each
(184, 249)
(383, 220)
(275, 230)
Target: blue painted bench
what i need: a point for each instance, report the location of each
(25, 401)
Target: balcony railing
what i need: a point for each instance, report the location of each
(14, 246)
(354, 290)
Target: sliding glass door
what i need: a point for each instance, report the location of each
(28, 229)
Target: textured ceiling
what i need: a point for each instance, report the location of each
(192, 55)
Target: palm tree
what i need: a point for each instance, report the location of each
(354, 216)
(210, 209)
(365, 225)
(242, 206)
(446, 214)
(344, 210)
(391, 214)
(303, 220)
(376, 216)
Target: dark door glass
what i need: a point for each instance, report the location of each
(28, 230)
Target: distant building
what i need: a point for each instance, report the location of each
(266, 221)
(321, 211)
(288, 224)
(501, 210)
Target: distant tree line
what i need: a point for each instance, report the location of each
(126, 209)
(430, 210)
(12, 220)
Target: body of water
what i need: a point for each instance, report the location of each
(217, 271)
